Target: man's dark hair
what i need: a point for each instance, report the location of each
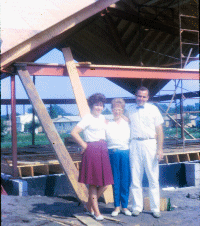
(142, 88)
(96, 98)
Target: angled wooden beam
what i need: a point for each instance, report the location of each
(76, 83)
(52, 134)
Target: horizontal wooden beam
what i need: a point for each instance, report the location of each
(112, 71)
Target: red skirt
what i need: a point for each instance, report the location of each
(95, 167)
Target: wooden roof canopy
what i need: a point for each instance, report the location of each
(126, 32)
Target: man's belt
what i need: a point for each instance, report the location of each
(141, 138)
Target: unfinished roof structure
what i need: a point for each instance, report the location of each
(127, 32)
(146, 41)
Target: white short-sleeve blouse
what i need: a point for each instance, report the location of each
(118, 135)
(93, 128)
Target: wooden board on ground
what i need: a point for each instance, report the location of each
(61, 221)
(163, 204)
(87, 220)
(52, 134)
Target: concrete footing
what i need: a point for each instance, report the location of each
(171, 175)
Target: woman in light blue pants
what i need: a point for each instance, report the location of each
(118, 136)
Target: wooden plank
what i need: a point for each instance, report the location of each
(76, 83)
(87, 220)
(52, 134)
(59, 221)
(188, 157)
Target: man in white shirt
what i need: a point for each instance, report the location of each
(146, 149)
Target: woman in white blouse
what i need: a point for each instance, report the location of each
(95, 167)
(118, 136)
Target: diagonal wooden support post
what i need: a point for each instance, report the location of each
(52, 134)
(81, 100)
(76, 83)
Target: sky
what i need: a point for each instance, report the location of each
(60, 87)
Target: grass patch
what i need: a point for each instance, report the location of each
(25, 139)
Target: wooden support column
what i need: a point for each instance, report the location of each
(81, 100)
(14, 127)
(52, 134)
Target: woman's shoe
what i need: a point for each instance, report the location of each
(127, 212)
(90, 213)
(99, 218)
(115, 213)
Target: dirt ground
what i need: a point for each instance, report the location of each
(25, 210)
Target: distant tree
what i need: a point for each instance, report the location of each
(3, 128)
(55, 110)
(189, 108)
(106, 112)
(29, 126)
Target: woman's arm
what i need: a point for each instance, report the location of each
(75, 134)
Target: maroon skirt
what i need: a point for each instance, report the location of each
(95, 167)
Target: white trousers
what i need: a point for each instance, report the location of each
(143, 157)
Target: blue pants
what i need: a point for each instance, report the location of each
(119, 160)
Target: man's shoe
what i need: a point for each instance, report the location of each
(156, 214)
(135, 213)
(99, 218)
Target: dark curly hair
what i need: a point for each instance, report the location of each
(96, 98)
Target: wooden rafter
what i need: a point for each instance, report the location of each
(166, 39)
(117, 38)
(143, 21)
